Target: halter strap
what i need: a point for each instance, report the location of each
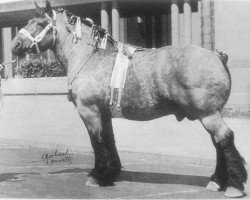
(41, 35)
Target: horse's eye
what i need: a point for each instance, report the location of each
(42, 24)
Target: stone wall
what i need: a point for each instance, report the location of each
(239, 98)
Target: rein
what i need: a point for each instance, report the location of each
(96, 33)
(77, 35)
(74, 74)
(41, 35)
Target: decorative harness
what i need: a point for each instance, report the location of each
(41, 35)
(77, 35)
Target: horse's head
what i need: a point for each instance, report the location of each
(39, 35)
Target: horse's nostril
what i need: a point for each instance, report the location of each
(18, 45)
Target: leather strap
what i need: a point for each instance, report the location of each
(41, 35)
(75, 71)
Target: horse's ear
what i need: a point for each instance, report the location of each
(39, 11)
(49, 9)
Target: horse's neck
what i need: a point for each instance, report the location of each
(68, 53)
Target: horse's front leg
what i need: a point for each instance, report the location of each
(99, 125)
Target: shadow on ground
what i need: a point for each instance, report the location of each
(150, 177)
(13, 176)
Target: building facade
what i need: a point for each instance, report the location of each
(211, 24)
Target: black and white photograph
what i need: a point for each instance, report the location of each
(124, 99)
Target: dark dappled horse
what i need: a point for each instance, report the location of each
(186, 81)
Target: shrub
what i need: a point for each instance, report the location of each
(37, 68)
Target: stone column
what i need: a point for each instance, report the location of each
(115, 20)
(50, 55)
(105, 16)
(14, 31)
(175, 26)
(199, 14)
(187, 22)
(212, 25)
(123, 30)
(206, 24)
(6, 48)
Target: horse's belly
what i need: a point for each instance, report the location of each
(141, 99)
(138, 114)
(144, 107)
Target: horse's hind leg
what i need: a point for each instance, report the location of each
(219, 178)
(107, 162)
(230, 171)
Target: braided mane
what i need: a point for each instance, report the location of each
(98, 30)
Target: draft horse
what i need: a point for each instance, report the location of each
(186, 81)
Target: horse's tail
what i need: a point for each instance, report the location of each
(224, 58)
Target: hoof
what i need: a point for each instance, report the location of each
(232, 192)
(92, 182)
(212, 186)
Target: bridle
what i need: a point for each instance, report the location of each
(52, 25)
(40, 36)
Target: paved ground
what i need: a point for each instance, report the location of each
(24, 174)
(162, 158)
